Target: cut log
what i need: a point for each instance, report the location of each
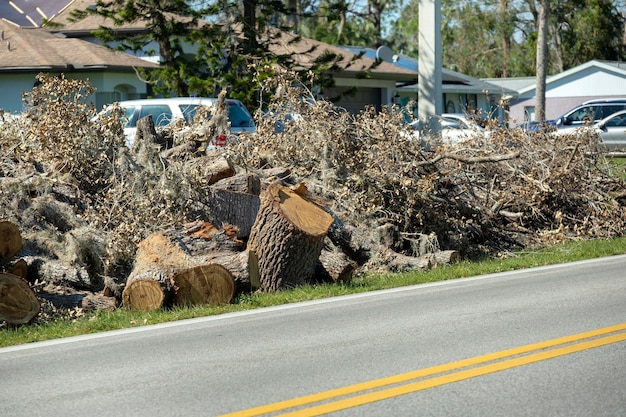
(205, 284)
(334, 266)
(208, 169)
(287, 237)
(242, 183)
(20, 268)
(10, 240)
(243, 266)
(147, 294)
(163, 255)
(149, 286)
(18, 302)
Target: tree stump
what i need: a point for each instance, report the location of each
(287, 237)
(18, 302)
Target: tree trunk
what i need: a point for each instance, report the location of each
(287, 238)
(18, 302)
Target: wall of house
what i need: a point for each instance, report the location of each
(375, 93)
(110, 87)
(564, 94)
(455, 102)
(12, 87)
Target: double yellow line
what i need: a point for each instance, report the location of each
(519, 356)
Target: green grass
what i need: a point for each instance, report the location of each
(100, 321)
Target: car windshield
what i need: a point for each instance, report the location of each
(237, 116)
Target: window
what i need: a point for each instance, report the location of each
(161, 113)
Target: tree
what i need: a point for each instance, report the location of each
(495, 38)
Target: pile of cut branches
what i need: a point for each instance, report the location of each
(83, 201)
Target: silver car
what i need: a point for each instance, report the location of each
(612, 131)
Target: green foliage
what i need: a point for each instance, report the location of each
(589, 29)
(497, 38)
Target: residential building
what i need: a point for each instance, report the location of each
(592, 80)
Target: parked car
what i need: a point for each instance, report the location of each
(166, 110)
(611, 131)
(589, 112)
(455, 128)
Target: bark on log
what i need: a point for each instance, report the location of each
(228, 207)
(147, 134)
(242, 183)
(185, 150)
(334, 266)
(54, 271)
(209, 168)
(287, 237)
(10, 240)
(18, 302)
(98, 302)
(398, 262)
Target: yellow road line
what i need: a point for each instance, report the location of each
(396, 379)
(454, 377)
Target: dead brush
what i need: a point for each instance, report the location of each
(480, 196)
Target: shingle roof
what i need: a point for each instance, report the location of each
(38, 49)
(305, 51)
(89, 23)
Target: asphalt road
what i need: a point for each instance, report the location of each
(413, 337)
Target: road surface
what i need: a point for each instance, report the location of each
(548, 341)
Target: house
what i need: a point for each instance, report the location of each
(376, 89)
(26, 52)
(591, 80)
(461, 92)
(71, 48)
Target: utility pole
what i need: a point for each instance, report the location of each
(542, 62)
(430, 96)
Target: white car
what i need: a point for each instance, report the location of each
(455, 128)
(166, 110)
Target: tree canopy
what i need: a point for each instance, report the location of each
(489, 38)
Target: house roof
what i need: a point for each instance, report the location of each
(88, 24)
(37, 49)
(617, 67)
(453, 82)
(306, 51)
(27, 13)
(514, 83)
